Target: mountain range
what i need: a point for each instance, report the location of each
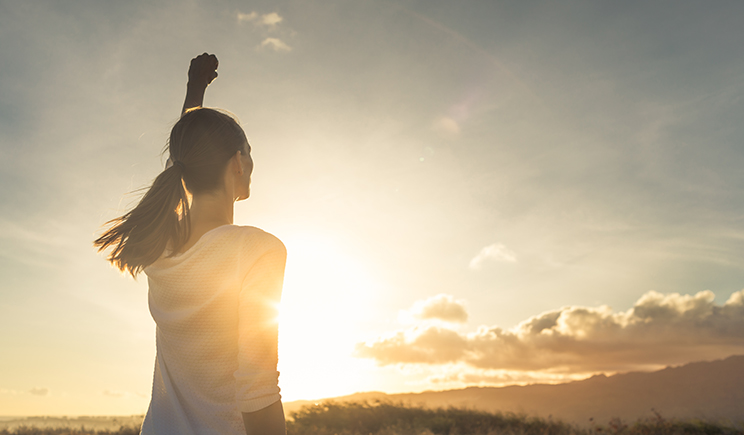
(710, 390)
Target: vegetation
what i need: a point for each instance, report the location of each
(32, 430)
(385, 418)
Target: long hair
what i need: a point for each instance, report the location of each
(200, 145)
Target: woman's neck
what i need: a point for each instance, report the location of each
(207, 212)
(210, 208)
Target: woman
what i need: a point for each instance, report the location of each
(213, 286)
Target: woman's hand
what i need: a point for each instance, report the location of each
(266, 421)
(202, 71)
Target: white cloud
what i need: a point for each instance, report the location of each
(440, 307)
(246, 17)
(430, 345)
(447, 125)
(275, 44)
(659, 330)
(269, 20)
(736, 298)
(495, 252)
(40, 391)
(267, 24)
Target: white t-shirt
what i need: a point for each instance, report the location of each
(215, 308)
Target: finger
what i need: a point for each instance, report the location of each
(212, 77)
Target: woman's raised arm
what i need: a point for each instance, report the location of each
(202, 71)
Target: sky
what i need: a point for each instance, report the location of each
(471, 193)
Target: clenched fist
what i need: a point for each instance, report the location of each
(203, 70)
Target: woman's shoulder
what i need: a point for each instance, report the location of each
(252, 238)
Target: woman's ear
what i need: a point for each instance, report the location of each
(235, 160)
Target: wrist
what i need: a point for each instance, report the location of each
(196, 87)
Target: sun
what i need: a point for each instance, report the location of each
(328, 296)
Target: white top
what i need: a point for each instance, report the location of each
(215, 308)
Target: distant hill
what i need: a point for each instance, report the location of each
(710, 390)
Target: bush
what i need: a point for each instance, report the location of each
(385, 418)
(32, 430)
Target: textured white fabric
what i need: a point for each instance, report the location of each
(215, 308)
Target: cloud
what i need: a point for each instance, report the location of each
(495, 252)
(440, 307)
(431, 345)
(246, 17)
(660, 329)
(276, 44)
(266, 23)
(40, 391)
(269, 20)
(447, 125)
(459, 375)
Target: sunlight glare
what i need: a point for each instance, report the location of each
(326, 299)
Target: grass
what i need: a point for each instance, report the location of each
(32, 430)
(386, 418)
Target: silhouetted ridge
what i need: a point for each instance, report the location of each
(710, 390)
